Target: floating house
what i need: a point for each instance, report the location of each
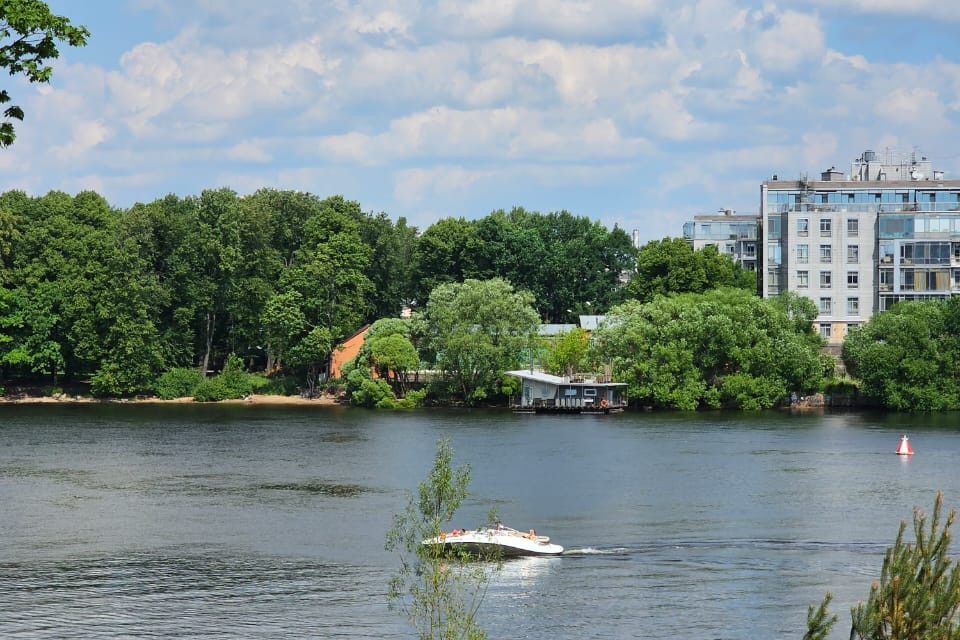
(545, 393)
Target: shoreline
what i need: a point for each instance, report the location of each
(255, 399)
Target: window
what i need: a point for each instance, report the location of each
(853, 279)
(853, 227)
(825, 305)
(826, 253)
(886, 280)
(825, 280)
(886, 253)
(589, 392)
(853, 306)
(803, 226)
(825, 331)
(803, 279)
(825, 227)
(773, 253)
(803, 253)
(853, 254)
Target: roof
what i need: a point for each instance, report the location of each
(591, 322)
(863, 184)
(542, 376)
(554, 329)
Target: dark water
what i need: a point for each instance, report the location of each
(223, 522)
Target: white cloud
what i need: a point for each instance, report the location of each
(86, 135)
(248, 151)
(412, 186)
(794, 38)
(916, 108)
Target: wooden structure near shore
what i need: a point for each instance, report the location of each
(545, 393)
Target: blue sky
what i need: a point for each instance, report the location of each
(635, 112)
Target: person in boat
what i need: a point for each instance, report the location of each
(498, 526)
(532, 534)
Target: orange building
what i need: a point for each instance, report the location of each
(347, 350)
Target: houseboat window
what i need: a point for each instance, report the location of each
(589, 392)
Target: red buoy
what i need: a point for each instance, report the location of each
(904, 449)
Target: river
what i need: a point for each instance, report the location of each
(267, 522)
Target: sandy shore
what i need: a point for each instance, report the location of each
(251, 400)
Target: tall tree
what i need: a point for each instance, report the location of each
(672, 266)
(474, 331)
(441, 255)
(29, 36)
(908, 357)
(723, 347)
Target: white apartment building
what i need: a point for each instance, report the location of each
(732, 234)
(856, 243)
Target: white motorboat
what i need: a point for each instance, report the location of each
(497, 540)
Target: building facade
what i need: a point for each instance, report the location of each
(856, 243)
(732, 234)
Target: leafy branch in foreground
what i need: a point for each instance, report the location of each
(29, 33)
(918, 594)
(440, 590)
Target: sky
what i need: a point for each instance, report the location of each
(640, 113)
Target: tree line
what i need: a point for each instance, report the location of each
(119, 295)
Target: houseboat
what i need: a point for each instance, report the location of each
(545, 393)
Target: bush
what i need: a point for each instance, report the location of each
(744, 391)
(237, 382)
(233, 383)
(212, 390)
(3, 391)
(277, 385)
(178, 383)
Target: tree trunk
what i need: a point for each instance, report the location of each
(211, 323)
(271, 360)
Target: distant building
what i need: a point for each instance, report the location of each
(857, 243)
(590, 323)
(733, 235)
(346, 351)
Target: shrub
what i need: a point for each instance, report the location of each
(744, 391)
(237, 382)
(178, 383)
(212, 390)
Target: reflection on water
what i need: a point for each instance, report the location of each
(240, 521)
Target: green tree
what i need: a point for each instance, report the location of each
(908, 357)
(440, 255)
(474, 331)
(29, 36)
(566, 353)
(392, 272)
(440, 592)
(725, 347)
(311, 352)
(672, 266)
(394, 356)
(918, 593)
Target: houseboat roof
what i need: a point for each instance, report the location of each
(576, 381)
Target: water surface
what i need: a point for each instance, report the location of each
(234, 521)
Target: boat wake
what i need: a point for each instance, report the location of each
(704, 545)
(593, 551)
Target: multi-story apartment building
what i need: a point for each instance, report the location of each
(733, 235)
(857, 243)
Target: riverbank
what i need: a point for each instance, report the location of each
(255, 399)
